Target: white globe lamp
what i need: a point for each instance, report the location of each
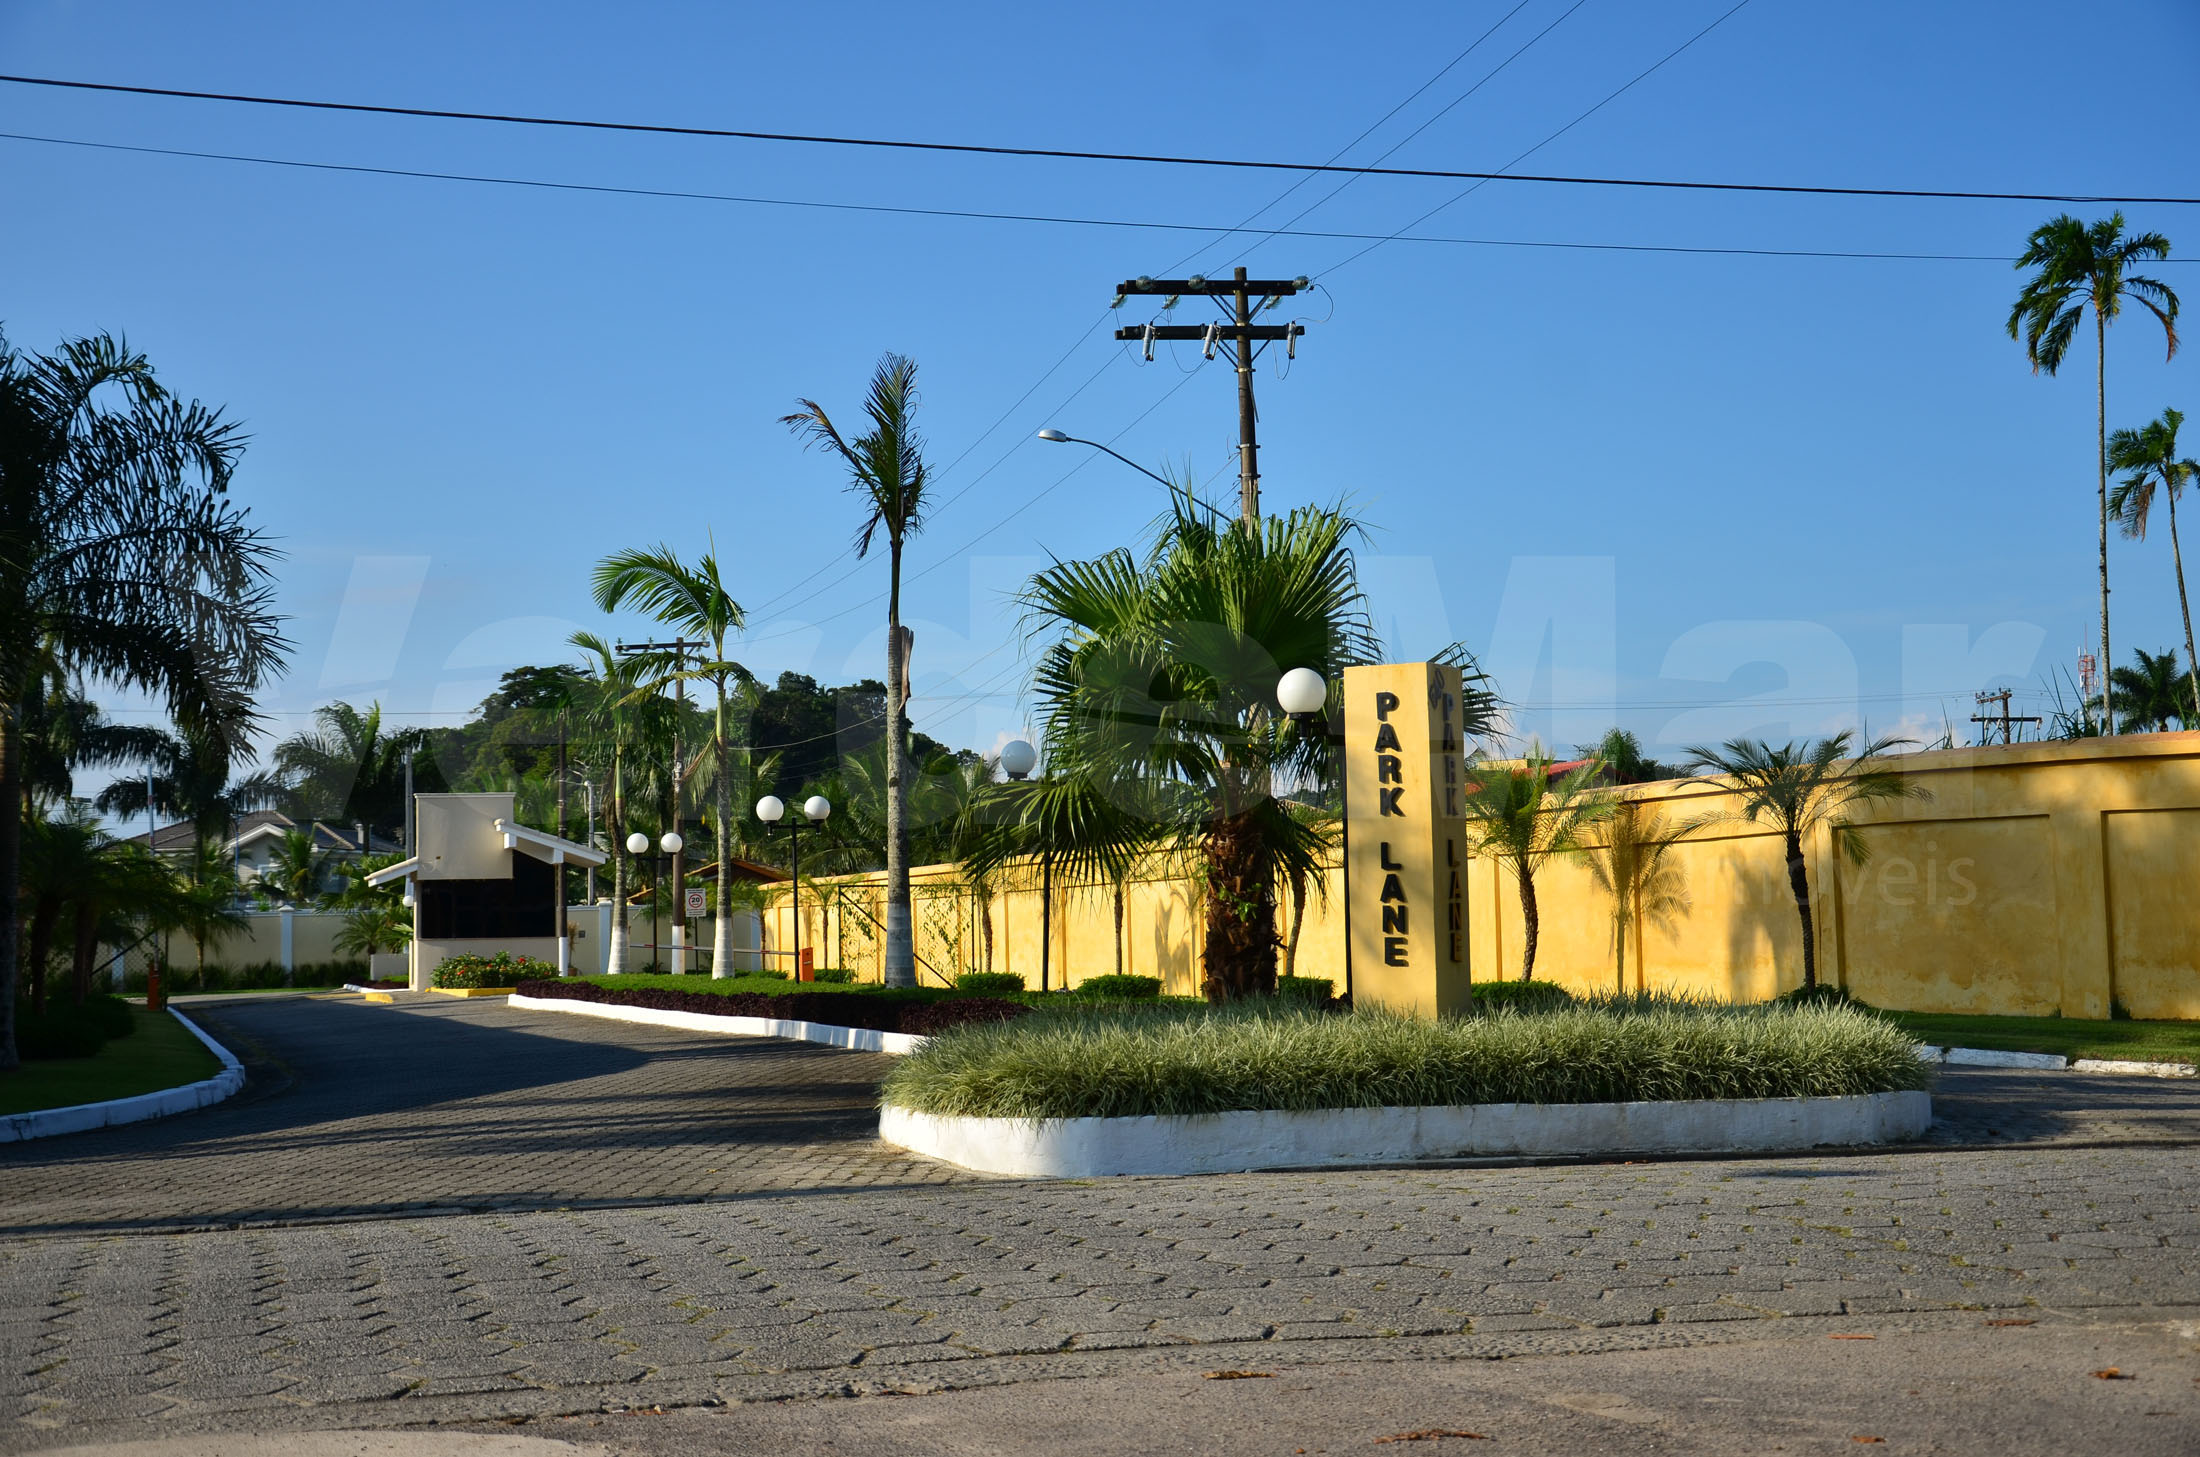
(1302, 691)
(817, 806)
(771, 809)
(637, 843)
(672, 844)
(1018, 758)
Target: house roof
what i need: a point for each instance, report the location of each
(742, 869)
(267, 824)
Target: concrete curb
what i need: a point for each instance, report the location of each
(83, 1117)
(854, 1039)
(1218, 1143)
(2134, 1069)
(2052, 1062)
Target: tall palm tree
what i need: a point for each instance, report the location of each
(1519, 816)
(2076, 267)
(609, 721)
(1157, 696)
(886, 469)
(122, 559)
(349, 767)
(690, 599)
(2150, 454)
(1797, 788)
(2147, 693)
(1632, 862)
(298, 869)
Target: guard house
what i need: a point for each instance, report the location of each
(480, 882)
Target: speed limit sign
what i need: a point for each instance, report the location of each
(696, 902)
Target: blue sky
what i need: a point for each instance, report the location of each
(1697, 495)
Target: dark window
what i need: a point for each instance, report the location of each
(484, 910)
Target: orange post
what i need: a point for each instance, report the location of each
(806, 968)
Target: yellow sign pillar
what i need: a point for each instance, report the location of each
(1406, 858)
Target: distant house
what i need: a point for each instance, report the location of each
(481, 882)
(255, 838)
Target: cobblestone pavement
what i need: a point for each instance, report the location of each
(457, 1317)
(731, 1231)
(362, 1110)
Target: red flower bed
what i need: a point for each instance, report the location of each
(836, 1009)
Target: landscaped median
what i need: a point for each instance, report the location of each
(164, 1065)
(1166, 1091)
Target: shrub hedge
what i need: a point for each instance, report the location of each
(1121, 987)
(989, 983)
(1522, 996)
(923, 1016)
(1076, 1063)
(473, 973)
(67, 1029)
(176, 980)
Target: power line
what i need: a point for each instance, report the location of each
(1609, 98)
(1067, 154)
(964, 214)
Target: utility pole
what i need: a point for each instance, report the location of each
(679, 647)
(408, 802)
(2005, 718)
(563, 875)
(1239, 298)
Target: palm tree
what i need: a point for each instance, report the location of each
(690, 599)
(2150, 454)
(1157, 698)
(203, 904)
(1797, 788)
(1520, 817)
(191, 777)
(886, 468)
(2076, 266)
(370, 930)
(2147, 693)
(298, 869)
(349, 767)
(121, 558)
(626, 738)
(1632, 862)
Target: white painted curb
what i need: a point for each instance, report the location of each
(1987, 1057)
(1218, 1143)
(2135, 1069)
(855, 1039)
(49, 1122)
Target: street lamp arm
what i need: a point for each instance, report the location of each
(1058, 437)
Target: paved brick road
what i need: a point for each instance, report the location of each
(835, 1273)
(356, 1109)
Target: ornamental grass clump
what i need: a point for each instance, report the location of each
(1077, 1063)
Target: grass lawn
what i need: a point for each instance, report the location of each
(2138, 1041)
(160, 1054)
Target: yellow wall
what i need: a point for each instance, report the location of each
(2035, 879)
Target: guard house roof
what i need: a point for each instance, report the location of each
(537, 844)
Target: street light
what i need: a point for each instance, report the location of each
(638, 844)
(1301, 691)
(1055, 437)
(1303, 694)
(1018, 759)
(771, 809)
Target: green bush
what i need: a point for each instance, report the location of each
(1521, 996)
(834, 975)
(763, 973)
(1073, 1062)
(1311, 990)
(475, 973)
(65, 1029)
(180, 979)
(1820, 995)
(989, 983)
(1120, 986)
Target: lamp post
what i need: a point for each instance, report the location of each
(771, 809)
(1018, 759)
(1304, 694)
(670, 844)
(1055, 437)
